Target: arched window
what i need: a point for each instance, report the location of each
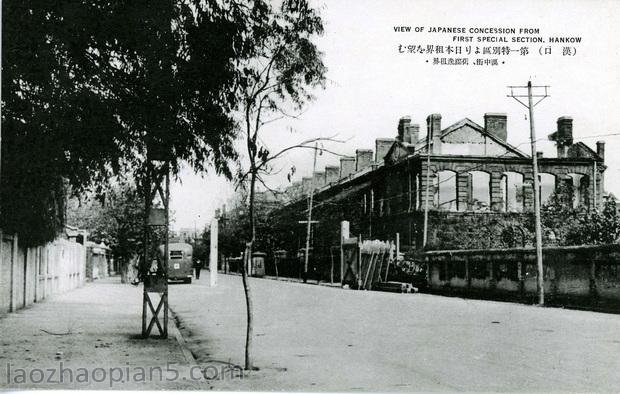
(445, 191)
(512, 191)
(579, 184)
(547, 186)
(479, 190)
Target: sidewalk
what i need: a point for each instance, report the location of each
(89, 338)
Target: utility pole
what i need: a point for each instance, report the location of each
(157, 172)
(429, 135)
(1, 127)
(309, 224)
(530, 106)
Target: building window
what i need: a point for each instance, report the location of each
(364, 204)
(372, 201)
(479, 190)
(546, 186)
(579, 186)
(418, 186)
(512, 191)
(445, 191)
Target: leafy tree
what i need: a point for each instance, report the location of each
(91, 89)
(579, 225)
(596, 227)
(116, 220)
(234, 224)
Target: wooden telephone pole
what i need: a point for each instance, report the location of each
(429, 134)
(530, 106)
(309, 221)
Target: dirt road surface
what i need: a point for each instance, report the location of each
(310, 337)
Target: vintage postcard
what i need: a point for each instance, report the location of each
(310, 195)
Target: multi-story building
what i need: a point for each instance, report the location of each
(474, 182)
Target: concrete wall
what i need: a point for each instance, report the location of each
(570, 272)
(28, 275)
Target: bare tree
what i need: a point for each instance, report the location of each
(278, 83)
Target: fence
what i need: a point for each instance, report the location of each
(28, 275)
(571, 273)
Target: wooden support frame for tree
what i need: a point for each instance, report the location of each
(155, 282)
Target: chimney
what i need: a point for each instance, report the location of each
(564, 135)
(332, 173)
(306, 185)
(414, 133)
(600, 149)
(403, 126)
(347, 166)
(407, 131)
(495, 124)
(296, 189)
(382, 146)
(318, 179)
(433, 127)
(363, 159)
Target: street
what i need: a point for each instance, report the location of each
(311, 338)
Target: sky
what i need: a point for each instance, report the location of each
(371, 85)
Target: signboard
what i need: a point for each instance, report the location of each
(157, 217)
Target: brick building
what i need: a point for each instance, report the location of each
(474, 178)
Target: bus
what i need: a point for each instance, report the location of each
(180, 265)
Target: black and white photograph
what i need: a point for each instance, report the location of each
(310, 195)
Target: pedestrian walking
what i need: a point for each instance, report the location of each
(197, 268)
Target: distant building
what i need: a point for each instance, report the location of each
(187, 234)
(99, 261)
(475, 177)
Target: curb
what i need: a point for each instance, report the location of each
(187, 354)
(335, 285)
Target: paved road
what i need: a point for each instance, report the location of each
(318, 338)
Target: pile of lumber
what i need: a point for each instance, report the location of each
(375, 259)
(395, 287)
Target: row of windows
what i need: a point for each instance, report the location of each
(444, 192)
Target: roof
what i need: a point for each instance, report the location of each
(421, 144)
(582, 150)
(73, 231)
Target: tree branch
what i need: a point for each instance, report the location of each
(304, 144)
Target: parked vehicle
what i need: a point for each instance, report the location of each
(258, 264)
(180, 265)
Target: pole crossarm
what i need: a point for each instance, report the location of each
(530, 94)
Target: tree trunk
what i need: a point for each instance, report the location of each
(247, 264)
(248, 304)
(124, 265)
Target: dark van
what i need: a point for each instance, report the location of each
(180, 265)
